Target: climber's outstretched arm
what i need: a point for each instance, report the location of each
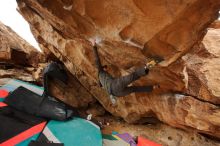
(97, 59)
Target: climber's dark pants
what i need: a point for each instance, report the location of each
(119, 86)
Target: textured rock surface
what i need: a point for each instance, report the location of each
(18, 59)
(129, 32)
(203, 68)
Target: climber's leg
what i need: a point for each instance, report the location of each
(141, 88)
(132, 89)
(124, 81)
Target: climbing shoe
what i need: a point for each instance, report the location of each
(112, 99)
(151, 62)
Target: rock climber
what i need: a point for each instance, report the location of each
(117, 87)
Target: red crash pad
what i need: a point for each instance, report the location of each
(3, 93)
(145, 142)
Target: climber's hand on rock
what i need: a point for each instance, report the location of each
(153, 61)
(151, 64)
(93, 41)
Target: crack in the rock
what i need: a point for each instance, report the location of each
(197, 98)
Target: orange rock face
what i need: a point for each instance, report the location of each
(129, 31)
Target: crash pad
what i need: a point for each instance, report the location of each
(10, 86)
(128, 138)
(3, 93)
(145, 142)
(75, 132)
(113, 140)
(2, 104)
(107, 142)
(27, 141)
(109, 137)
(14, 84)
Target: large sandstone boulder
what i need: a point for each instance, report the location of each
(129, 32)
(18, 59)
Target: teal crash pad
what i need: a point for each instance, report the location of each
(75, 132)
